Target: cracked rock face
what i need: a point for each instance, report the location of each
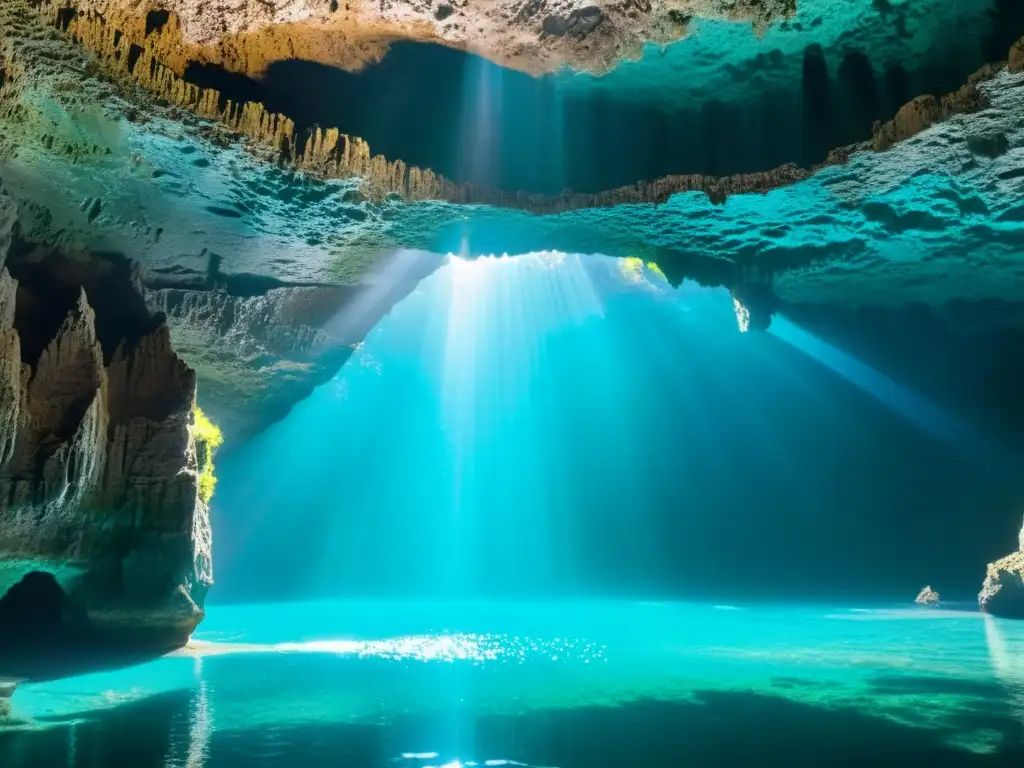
(98, 484)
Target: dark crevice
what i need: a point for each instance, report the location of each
(134, 52)
(64, 18)
(49, 284)
(37, 611)
(472, 121)
(155, 21)
(1007, 22)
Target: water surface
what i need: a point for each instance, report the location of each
(589, 684)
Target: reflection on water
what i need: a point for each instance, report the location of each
(609, 684)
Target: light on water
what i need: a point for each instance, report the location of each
(934, 673)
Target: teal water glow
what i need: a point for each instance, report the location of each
(727, 61)
(545, 684)
(557, 424)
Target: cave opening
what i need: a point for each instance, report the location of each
(36, 611)
(474, 121)
(562, 426)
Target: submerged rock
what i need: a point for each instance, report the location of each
(103, 536)
(927, 596)
(1002, 594)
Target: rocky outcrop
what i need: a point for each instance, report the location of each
(260, 345)
(1002, 593)
(927, 596)
(534, 36)
(97, 462)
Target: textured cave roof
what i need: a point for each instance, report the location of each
(944, 203)
(251, 258)
(531, 35)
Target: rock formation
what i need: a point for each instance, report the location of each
(927, 596)
(1002, 593)
(107, 148)
(98, 495)
(531, 35)
(143, 54)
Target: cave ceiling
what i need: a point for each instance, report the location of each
(845, 152)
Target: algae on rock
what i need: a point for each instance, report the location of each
(208, 439)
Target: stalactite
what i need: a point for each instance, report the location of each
(326, 153)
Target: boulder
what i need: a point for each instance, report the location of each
(1002, 594)
(927, 596)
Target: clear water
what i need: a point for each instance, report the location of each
(588, 684)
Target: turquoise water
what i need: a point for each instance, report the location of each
(564, 684)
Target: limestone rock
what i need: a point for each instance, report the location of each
(927, 596)
(261, 348)
(535, 36)
(1002, 594)
(98, 485)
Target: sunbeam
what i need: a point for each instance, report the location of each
(954, 433)
(512, 417)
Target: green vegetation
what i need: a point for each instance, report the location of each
(208, 439)
(653, 267)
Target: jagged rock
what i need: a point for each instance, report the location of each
(1002, 594)
(927, 596)
(98, 483)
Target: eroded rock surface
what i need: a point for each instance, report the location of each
(259, 346)
(1002, 593)
(531, 35)
(113, 151)
(97, 462)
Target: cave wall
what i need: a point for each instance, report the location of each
(97, 462)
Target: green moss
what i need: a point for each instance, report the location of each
(653, 267)
(208, 439)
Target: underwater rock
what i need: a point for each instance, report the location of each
(100, 517)
(1002, 593)
(927, 596)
